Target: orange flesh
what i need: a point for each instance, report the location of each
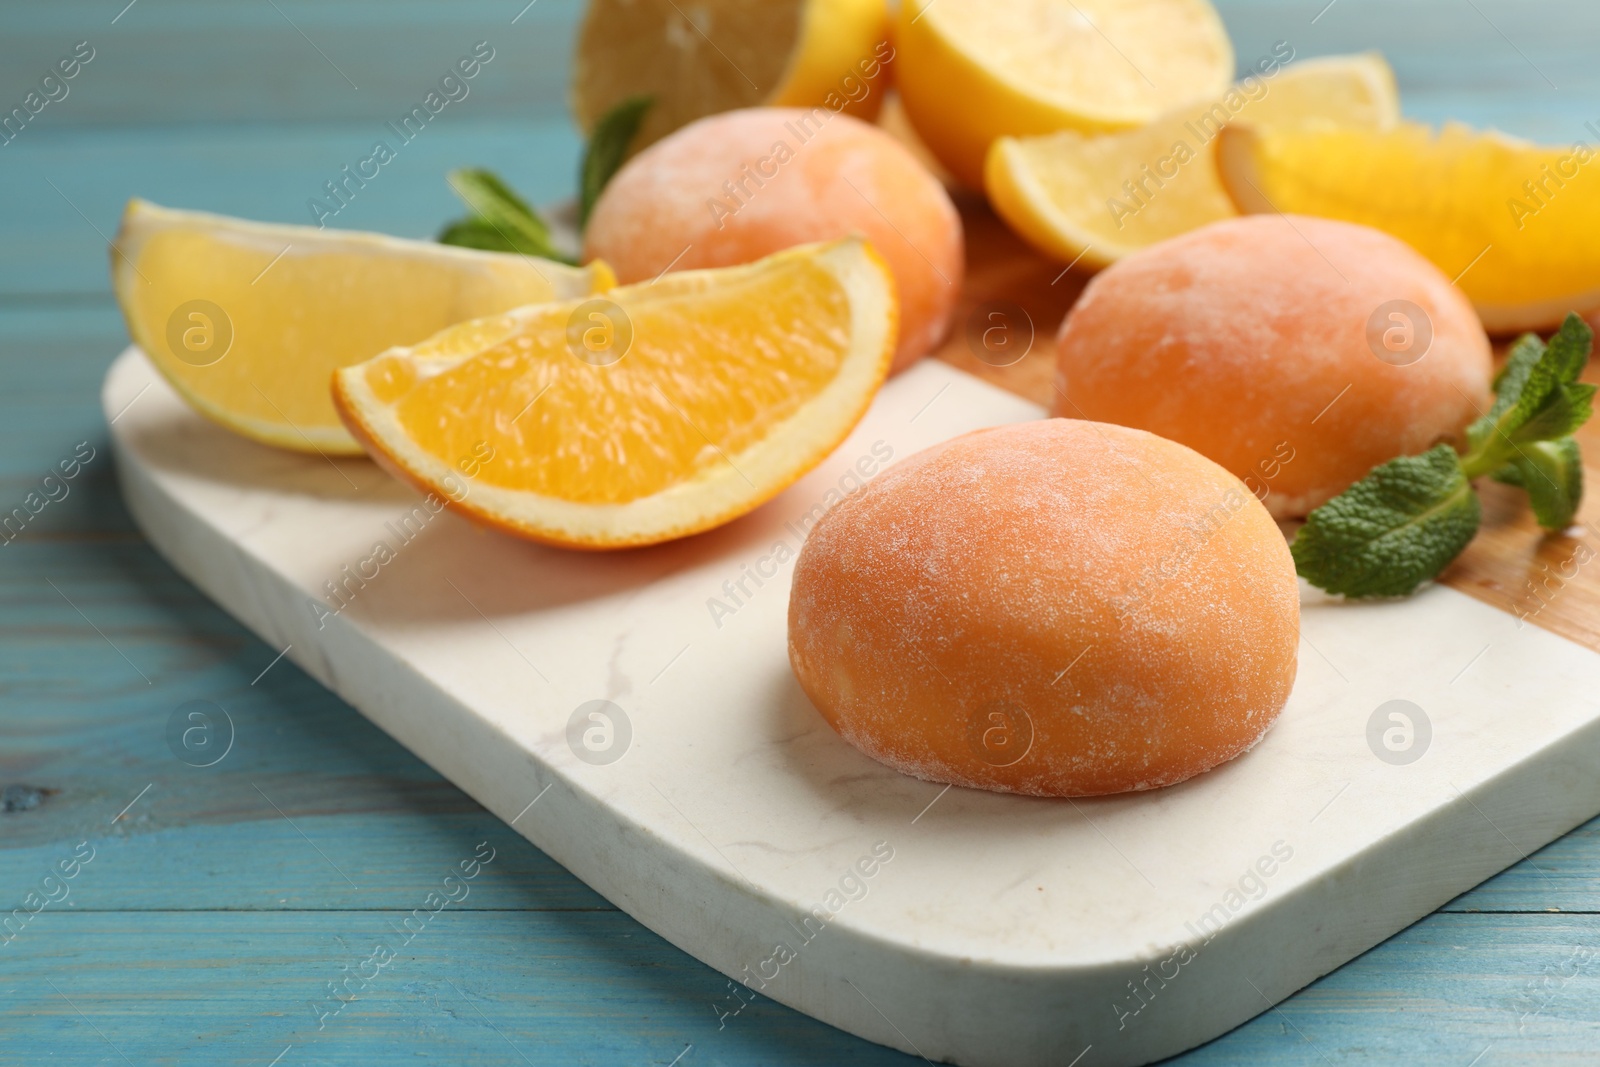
(702, 380)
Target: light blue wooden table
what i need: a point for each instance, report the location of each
(220, 902)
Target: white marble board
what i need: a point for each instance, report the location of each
(1000, 930)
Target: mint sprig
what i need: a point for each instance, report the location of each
(607, 149)
(1403, 523)
(1397, 527)
(1552, 474)
(501, 221)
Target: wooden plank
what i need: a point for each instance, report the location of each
(1562, 876)
(498, 988)
(181, 60)
(57, 349)
(394, 838)
(75, 184)
(1418, 998)
(395, 51)
(487, 988)
(309, 792)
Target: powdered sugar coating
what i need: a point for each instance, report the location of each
(735, 187)
(1247, 341)
(1124, 604)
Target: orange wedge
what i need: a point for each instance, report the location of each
(1510, 221)
(656, 411)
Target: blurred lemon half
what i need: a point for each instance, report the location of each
(971, 71)
(709, 56)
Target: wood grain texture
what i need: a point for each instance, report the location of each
(70, 186)
(210, 917)
(594, 988)
(1543, 578)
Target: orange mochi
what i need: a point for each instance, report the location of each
(1057, 608)
(1297, 352)
(738, 186)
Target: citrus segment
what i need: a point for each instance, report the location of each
(970, 71)
(1503, 217)
(659, 411)
(248, 320)
(1099, 197)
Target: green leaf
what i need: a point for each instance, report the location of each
(475, 233)
(500, 221)
(1538, 397)
(1569, 349)
(1509, 382)
(1567, 408)
(608, 147)
(493, 200)
(1552, 474)
(1509, 475)
(1398, 527)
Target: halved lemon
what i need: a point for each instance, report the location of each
(248, 320)
(702, 58)
(1510, 221)
(654, 412)
(971, 71)
(1096, 198)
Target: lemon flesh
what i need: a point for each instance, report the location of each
(1096, 198)
(249, 321)
(971, 71)
(712, 56)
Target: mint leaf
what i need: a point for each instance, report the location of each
(1552, 474)
(1508, 383)
(1564, 410)
(475, 233)
(1405, 521)
(1538, 397)
(501, 221)
(1568, 350)
(494, 201)
(1508, 475)
(1398, 527)
(608, 147)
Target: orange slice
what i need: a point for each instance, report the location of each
(654, 412)
(1510, 221)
